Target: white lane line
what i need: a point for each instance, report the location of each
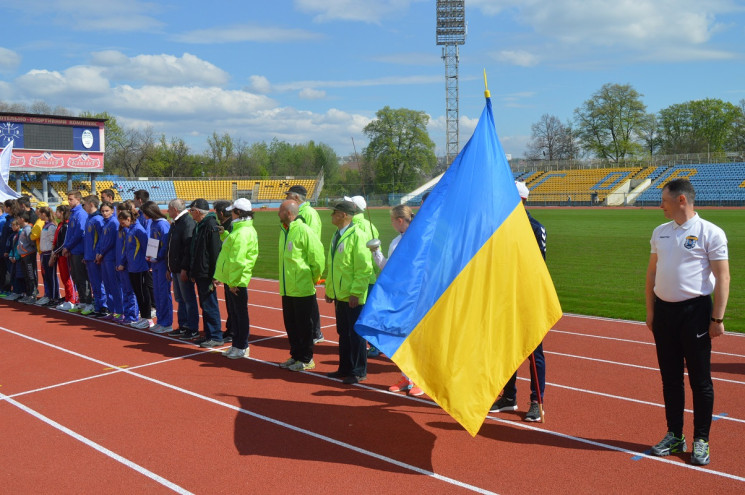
(618, 449)
(428, 473)
(98, 447)
(629, 399)
(641, 342)
(629, 365)
(261, 417)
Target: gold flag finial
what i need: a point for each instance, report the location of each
(487, 94)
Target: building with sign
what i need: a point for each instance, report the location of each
(44, 144)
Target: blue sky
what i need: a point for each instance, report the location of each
(320, 69)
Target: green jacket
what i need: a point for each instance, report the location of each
(301, 260)
(350, 266)
(372, 233)
(311, 218)
(238, 255)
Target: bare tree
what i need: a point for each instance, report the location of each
(551, 140)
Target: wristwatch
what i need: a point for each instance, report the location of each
(717, 320)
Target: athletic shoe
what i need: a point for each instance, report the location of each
(27, 300)
(301, 366)
(100, 314)
(159, 329)
(14, 296)
(403, 385)
(227, 337)
(52, 303)
(43, 301)
(66, 306)
(211, 343)
(373, 351)
(176, 333)
(88, 309)
(700, 455)
(504, 404)
(670, 445)
(235, 353)
(77, 308)
(142, 324)
(319, 339)
(189, 335)
(416, 391)
(4, 294)
(287, 363)
(534, 413)
(352, 379)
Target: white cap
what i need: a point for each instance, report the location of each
(240, 204)
(358, 201)
(522, 189)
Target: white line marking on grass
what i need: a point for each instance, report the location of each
(261, 417)
(98, 447)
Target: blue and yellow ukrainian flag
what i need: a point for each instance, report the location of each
(466, 296)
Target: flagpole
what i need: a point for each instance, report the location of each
(487, 94)
(534, 372)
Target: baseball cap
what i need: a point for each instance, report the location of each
(200, 204)
(522, 189)
(346, 207)
(358, 201)
(298, 189)
(240, 204)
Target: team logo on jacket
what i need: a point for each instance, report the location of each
(690, 242)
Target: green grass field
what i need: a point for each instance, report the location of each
(597, 257)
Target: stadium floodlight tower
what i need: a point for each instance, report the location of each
(451, 32)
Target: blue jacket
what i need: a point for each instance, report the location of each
(76, 230)
(159, 229)
(136, 245)
(120, 253)
(107, 242)
(93, 228)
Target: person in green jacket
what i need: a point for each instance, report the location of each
(349, 271)
(301, 262)
(310, 217)
(234, 268)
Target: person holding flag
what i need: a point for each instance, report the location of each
(508, 400)
(349, 271)
(466, 297)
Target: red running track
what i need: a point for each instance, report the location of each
(89, 407)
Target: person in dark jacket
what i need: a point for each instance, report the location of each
(178, 260)
(204, 249)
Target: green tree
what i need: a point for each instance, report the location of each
(400, 151)
(698, 126)
(608, 123)
(220, 153)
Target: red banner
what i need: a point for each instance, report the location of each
(48, 161)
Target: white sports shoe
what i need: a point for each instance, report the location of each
(65, 306)
(142, 324)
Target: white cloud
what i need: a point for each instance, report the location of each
(311, 94)
(75, 82)
(520, 58)
(169, 101)
(647, 26)
(370, 11)
(9, 60)
(101, 15)
(359, 83)
(246, 33)
(260, 84)
(161, 69)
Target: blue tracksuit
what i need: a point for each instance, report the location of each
(129, 308)
(106, 247)
(93, 228)
(159, 229)
(134, 249)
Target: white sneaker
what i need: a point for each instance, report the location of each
(87, 309)
(235, 353)
(41, 302)
(142, 324)
(161, 329)
(65, 306)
